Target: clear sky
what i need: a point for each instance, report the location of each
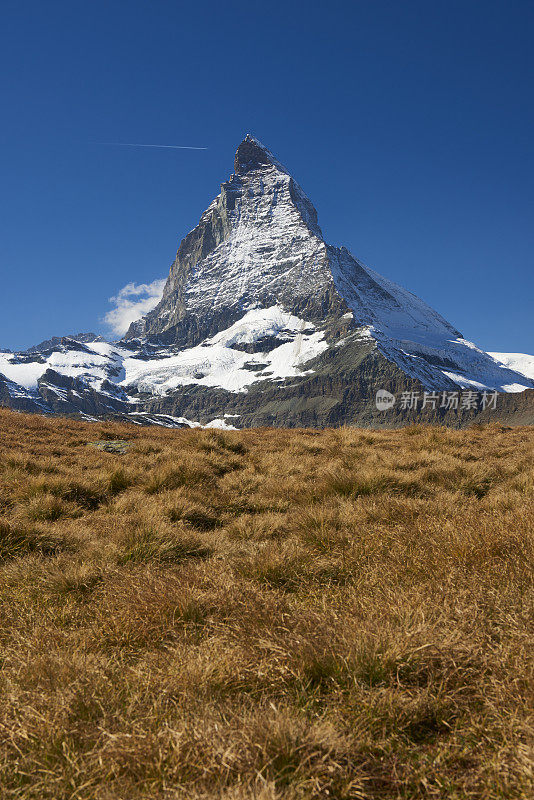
(408, 124)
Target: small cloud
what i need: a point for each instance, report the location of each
(132, 302)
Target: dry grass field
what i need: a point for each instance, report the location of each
(265, 614)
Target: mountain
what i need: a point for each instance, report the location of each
(262, 322)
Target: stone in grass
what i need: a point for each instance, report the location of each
(120, 446)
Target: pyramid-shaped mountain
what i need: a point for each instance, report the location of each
(263, 323)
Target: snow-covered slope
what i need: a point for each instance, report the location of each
(92, 363)
(223, 361)
(413, 335)
(520, 362)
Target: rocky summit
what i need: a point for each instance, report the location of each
(262, 322)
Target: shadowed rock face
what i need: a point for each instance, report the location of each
(250, 155)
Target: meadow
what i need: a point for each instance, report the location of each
(268, 614)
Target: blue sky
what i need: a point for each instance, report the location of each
(409, 125)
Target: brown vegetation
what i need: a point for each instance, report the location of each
(265, 614)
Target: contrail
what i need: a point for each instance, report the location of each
(165, 146)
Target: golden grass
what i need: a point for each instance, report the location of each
(265, 614)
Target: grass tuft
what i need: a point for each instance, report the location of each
(149, 545)
(17, 541)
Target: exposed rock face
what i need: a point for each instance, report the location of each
(263, 323)
(66, 395)
(19, 398)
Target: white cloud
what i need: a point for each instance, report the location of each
(132, 302)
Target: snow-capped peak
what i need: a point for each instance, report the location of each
(259, 243)
(259, 311)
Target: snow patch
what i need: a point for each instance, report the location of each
(221, 424)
